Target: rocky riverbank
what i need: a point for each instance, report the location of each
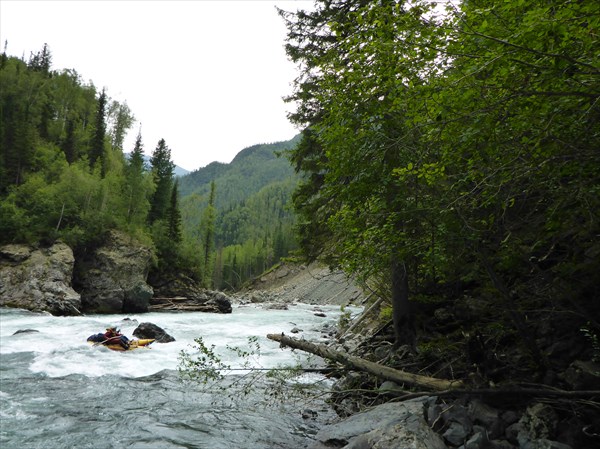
(111, 278)
(505, 403)
(521, 407)
(313, 284)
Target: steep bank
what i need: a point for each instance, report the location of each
(506, 403)
(312, 284)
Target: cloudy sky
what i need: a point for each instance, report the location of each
(207, 76)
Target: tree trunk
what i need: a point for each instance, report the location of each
(401, 313)
(382, 372)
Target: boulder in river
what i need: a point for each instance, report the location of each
(38, 279)
(25, 331)
(151, 330)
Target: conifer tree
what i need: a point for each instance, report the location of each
(69, 143)
(162, 172)
(207, 226)
(97, 148)
(135, 181)
(41, 61)
(174, 216)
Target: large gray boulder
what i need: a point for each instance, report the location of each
(38, 279)
(151, 330)
(391, 425)
(112, 278)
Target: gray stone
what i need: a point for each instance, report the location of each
(583, 375)
(456, 434)
(391, 425)
(457, 413)
(220, 301)
(151, 330)
(38, 279)
(537, 424)
(509, 417)
(113, 277)
(512, 432)
(483, 413)
(478, 441)
(26, 331)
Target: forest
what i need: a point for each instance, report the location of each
(64, 174)
(450, 160)
(449, 150)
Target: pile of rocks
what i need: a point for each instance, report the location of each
(313, 284)
(430, 423)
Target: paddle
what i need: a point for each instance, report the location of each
(116, 338)
(102, 342)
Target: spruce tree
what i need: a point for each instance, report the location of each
(97, 148)
(135, 181)
(69, 143)
(207, 232)
(174, 216)
(162, 172)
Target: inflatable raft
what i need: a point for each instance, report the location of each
(133, 344)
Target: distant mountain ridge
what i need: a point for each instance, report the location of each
(250, 170)
(178, 171)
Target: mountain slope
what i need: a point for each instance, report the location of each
(252, 169)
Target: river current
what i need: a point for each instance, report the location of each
(58, 391)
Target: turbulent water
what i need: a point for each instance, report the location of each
(57, 391)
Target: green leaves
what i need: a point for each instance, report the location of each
(450, 139)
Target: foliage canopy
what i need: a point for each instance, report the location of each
(452, 147)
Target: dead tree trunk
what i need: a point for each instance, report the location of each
(383, 372)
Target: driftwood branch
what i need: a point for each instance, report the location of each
(441, 387)
(359, 364)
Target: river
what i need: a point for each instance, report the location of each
(58, 391)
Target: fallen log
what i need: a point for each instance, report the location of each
(184, 307)
(359, 364)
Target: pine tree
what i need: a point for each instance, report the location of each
(136, 158)
(41, 61)
(97, 147)
(135, 181)
(69, 143)
(174, 216)
(162, 172)
(207, 226)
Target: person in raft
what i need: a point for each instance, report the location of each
(112, 336)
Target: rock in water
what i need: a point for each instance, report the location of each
(26, 331)
(150, 330)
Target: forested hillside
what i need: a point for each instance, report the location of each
(64, 174)
(253, 220)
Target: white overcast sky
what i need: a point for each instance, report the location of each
(207, 76)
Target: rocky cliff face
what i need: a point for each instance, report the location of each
(112, 278)
(108, 279)
(38, 279)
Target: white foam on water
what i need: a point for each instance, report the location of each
(60, 348)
